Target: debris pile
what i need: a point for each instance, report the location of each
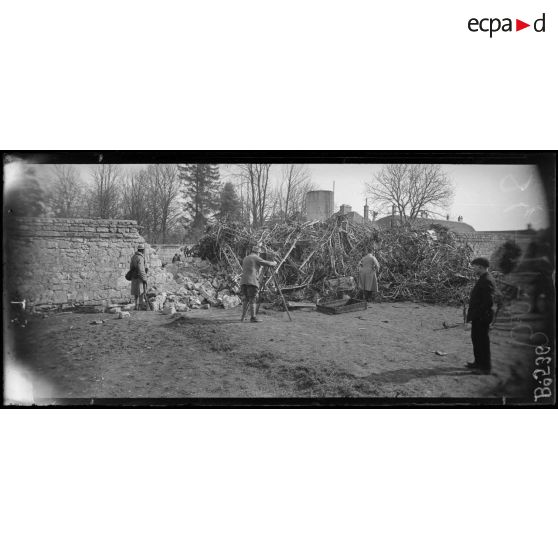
(194, 283)
(415, 264)
(315, 260)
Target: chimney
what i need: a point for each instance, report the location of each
(366, 211)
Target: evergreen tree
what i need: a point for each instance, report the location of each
(230, 206)
(200, 188)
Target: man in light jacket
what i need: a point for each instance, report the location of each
(249, 284)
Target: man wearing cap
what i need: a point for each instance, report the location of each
(249, 284)
(481, 314)
(139, 274)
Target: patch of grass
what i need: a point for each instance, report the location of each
(308, 380)
(211, 336)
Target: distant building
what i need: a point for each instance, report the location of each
(454, 226)
(347, 214)
(319, 205)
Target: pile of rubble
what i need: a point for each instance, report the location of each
(178, 287)
(315, 260)
(193, 283)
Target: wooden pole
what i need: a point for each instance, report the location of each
(264, 271)
(282, 298)
(282, 261)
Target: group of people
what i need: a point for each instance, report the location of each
(480, 312)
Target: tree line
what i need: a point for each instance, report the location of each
(170, 202)
(173, 203)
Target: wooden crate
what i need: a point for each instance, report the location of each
(341, 306)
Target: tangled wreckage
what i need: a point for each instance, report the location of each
(317, 260)
(317, 265)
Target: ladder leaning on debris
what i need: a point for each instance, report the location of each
(231, 258)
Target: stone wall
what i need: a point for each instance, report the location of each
(485, 243)
(71, 261)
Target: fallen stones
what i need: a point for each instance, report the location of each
(195, 302)
(192, 284)
(157, 302)
(231, 301)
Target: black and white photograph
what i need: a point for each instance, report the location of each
(192, 278)
(278, 279)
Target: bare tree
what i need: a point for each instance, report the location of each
(410, 190)
(105, 197)
(135, 197)
(66, 197)
(151, 197)
(244, 194)
(164, 191)
(296, 181)
(256, 177)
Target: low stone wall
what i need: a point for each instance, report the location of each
(67, 261)
(485, 243)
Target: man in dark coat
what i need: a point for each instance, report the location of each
(481, 314)
(139, 275)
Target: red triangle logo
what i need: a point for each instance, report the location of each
(519, 25)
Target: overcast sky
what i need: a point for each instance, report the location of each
(489, 197)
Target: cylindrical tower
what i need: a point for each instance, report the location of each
(319, 205)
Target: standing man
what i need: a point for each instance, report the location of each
(368, 279)
(480, 314)
(249, 281)
(139, 274)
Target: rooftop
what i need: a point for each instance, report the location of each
(454, 226)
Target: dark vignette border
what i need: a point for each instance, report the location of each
(544, 160)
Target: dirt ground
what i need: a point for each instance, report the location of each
(389, 350)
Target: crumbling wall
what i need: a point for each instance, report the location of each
(486, 243)
(69, 261)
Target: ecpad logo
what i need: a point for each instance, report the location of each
(493, 25)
